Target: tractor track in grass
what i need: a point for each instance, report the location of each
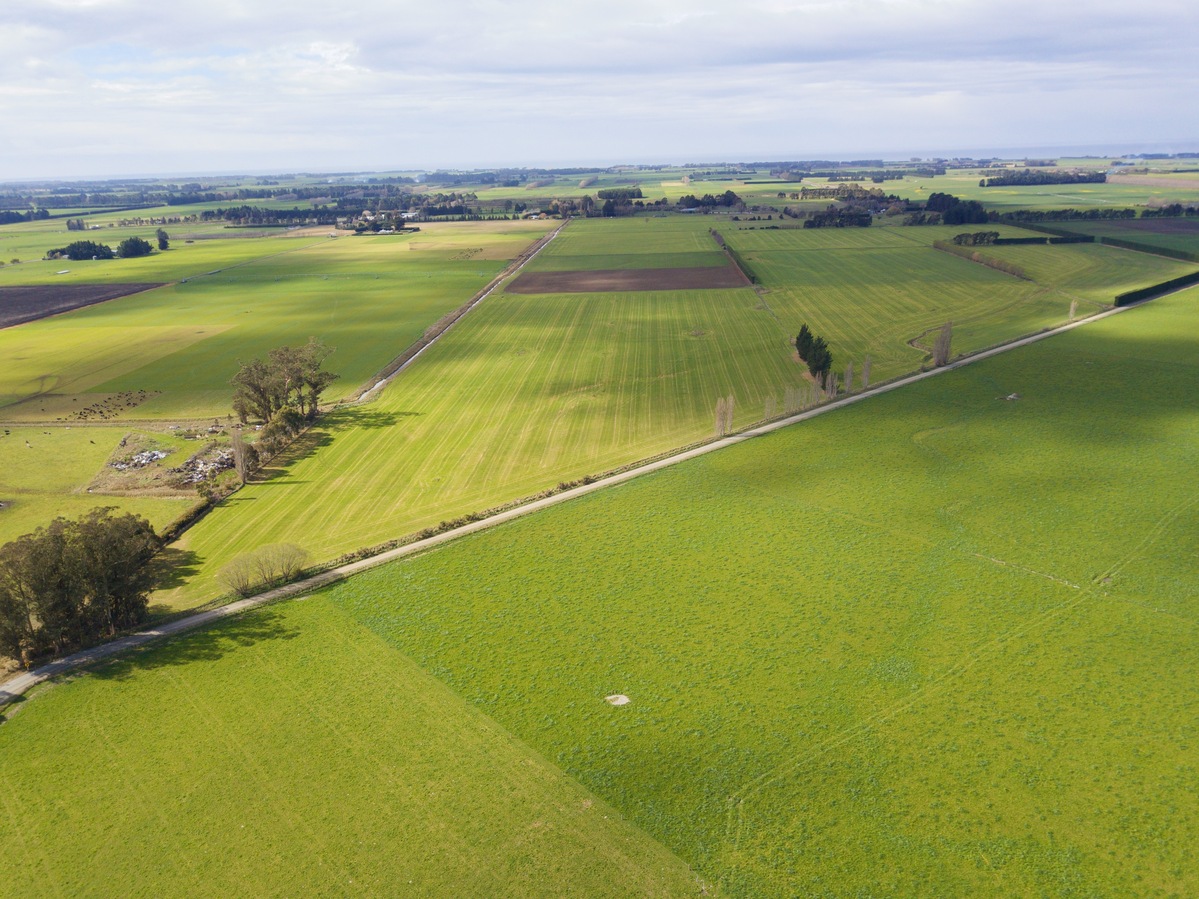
(17, 686)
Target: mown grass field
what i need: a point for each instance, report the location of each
(939, 643)
(532, 390)
(292, 752)
(871, 290)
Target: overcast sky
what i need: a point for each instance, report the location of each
(113, 87)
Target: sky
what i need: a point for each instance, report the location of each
(99, 88)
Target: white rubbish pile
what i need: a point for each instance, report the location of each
(195, 469)
(140, 460)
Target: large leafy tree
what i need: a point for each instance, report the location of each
(82, 249)
(289, 378)
(132, 247)
(73, 582)
(257, 391)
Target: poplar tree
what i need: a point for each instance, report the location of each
(941, 349)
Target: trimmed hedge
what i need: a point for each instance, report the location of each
(1157, 290)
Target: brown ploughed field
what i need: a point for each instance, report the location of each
(25, 304)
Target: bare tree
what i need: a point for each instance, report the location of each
(771, 409)
(1073, 309)
(267, 565)
(941, 349)
(792, 401)
(730, 404)
(866, 373)
(280, 562)
(720, 410)
(240, 575)
(849, 376)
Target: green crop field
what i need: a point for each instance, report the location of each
(939, 643)
(529, 391)
(292, 753)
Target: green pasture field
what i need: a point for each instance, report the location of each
(29, 243)
(1089, 273)
(292, 752)
(46, 473)
(941, 643)
(650, 182)
(367, 297)
(532, 390)
(871, 290)
(597, 243)
(963, 183)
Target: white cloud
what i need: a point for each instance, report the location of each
(220, 84)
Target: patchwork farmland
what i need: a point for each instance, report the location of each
(936, 642)
(535, 389)
(907, 656)
(167, 354)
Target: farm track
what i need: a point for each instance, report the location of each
(20, 684)
(435, 333)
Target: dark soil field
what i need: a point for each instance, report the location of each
(620, 280)
(1164, 225)
(25, 304)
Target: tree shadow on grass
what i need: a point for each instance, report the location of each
(173, 567)
(208, 644)
(321, 435)
(368, 418)
(303, 446)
